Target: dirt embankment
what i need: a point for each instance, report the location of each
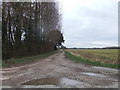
(57, 71)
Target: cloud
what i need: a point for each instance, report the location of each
(104, 43)
(86, 22)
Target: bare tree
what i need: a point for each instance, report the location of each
(30, 28)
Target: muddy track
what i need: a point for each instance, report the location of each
(58, 71)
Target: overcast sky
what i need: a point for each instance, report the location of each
(90, 23)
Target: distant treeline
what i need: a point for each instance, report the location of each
(30, 28)
(97, 48)
(111, 48)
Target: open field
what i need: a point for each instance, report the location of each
(104, 56)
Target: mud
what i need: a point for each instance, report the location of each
(57, 71)
(43, 81)
(93, 74)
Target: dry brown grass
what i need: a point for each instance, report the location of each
(109, 56)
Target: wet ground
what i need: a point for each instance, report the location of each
(57, 71)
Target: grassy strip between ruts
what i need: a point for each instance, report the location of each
(26, 59)
(86, 61)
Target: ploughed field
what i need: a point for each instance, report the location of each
(109, 56)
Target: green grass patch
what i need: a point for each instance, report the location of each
(91, 62)
(0, 63)
(27, 59)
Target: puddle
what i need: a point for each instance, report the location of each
(69, 82)
(105, 69)
(40, 86)
(93, 74)
(53, 81)
(43, 81)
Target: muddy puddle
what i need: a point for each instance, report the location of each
(43, 81)
(53, 81)
(93, 74)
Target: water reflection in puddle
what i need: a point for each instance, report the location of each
(71, 82)
(93, 74)
(53, 81)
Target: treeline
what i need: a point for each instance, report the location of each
(111, 48)
(30, 28)
(96, 48)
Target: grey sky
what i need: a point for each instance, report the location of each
(90, 23)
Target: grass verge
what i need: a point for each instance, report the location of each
(87, 61)
(26, 59)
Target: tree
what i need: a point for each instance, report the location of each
(30, 28)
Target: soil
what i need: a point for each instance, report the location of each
(57, 71)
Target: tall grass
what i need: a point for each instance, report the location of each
(91, 62)
(109, 56)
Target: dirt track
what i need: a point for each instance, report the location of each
(62, 72)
